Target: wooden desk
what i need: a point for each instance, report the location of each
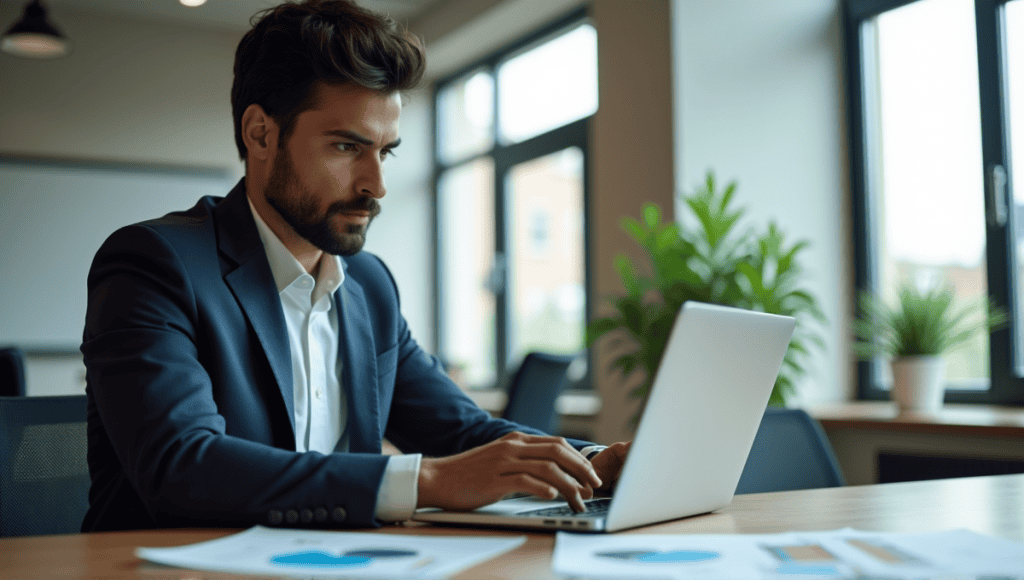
(990, 505)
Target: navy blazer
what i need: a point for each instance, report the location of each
(189, 383)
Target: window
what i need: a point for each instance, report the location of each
(510, 183)
(933, 86)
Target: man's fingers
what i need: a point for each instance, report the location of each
(550, 474)
(540, 465)
(565, 456)
(608, 463)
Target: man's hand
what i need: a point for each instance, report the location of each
(543, 466)
(608, 463)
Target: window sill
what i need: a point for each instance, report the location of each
(952, 419)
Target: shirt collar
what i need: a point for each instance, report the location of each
(286, 269)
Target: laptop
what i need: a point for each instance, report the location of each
(703, 411)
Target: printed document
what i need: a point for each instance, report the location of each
(834, 555)
(334, 554)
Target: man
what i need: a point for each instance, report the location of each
(244, 357)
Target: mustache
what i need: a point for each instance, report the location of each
(367, 204)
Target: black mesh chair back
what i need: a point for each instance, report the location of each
(44, 478)
(12, 372)
(790, 452)
(541, 377)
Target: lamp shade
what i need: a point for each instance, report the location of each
(34, 36)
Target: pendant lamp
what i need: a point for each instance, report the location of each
(34, 36)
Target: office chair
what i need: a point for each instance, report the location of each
(44, 478)
(534, 388)
(12, 372)
(790, 452)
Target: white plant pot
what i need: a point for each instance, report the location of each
(919, 382)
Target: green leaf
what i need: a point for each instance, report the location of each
(632, 227)
(667, 240)
(627, 363)
(641, 391)
(627, 273)
(652, 215)
(786, 260)
(600, 327)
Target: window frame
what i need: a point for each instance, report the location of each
(1007, 384)
(505, 156)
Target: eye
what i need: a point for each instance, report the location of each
(385, 153)
(347, 147)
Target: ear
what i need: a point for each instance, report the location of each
(259, 132)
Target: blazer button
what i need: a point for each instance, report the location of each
(275, 517)
(320, 514)
(339, 514)
(306, 516)
(291, 516)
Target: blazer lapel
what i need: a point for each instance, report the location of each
(252, 283)
(359, 368)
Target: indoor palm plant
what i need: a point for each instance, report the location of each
(915, 333)
(714, 262)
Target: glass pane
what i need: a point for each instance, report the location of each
(548, 86)
(465, 117)
(547, 296)
(1014, 28)
(466, 232)
(927, 182)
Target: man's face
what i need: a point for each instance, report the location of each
(328, 175)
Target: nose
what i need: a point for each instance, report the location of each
(371, 178)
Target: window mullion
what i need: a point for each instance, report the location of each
(1007, 386)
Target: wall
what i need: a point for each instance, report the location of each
(632, 163)
(759, 99)
(143, 91)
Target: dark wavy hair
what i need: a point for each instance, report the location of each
(293, 46)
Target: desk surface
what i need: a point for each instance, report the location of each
(991, 505)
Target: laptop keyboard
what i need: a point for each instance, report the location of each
(596, 508)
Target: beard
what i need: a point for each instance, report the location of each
(299, 207)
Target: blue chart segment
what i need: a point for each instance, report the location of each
(655, 557)
(350, 559)
(320, 560)
(381, 553)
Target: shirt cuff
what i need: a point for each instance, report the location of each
(396, 500)
(591, 450)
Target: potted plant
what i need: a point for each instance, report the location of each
(714, 262)
(914, 334)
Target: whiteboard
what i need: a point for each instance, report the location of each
(55, 214)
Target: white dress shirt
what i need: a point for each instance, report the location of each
(321, 407)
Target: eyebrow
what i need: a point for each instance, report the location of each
(361, 139)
